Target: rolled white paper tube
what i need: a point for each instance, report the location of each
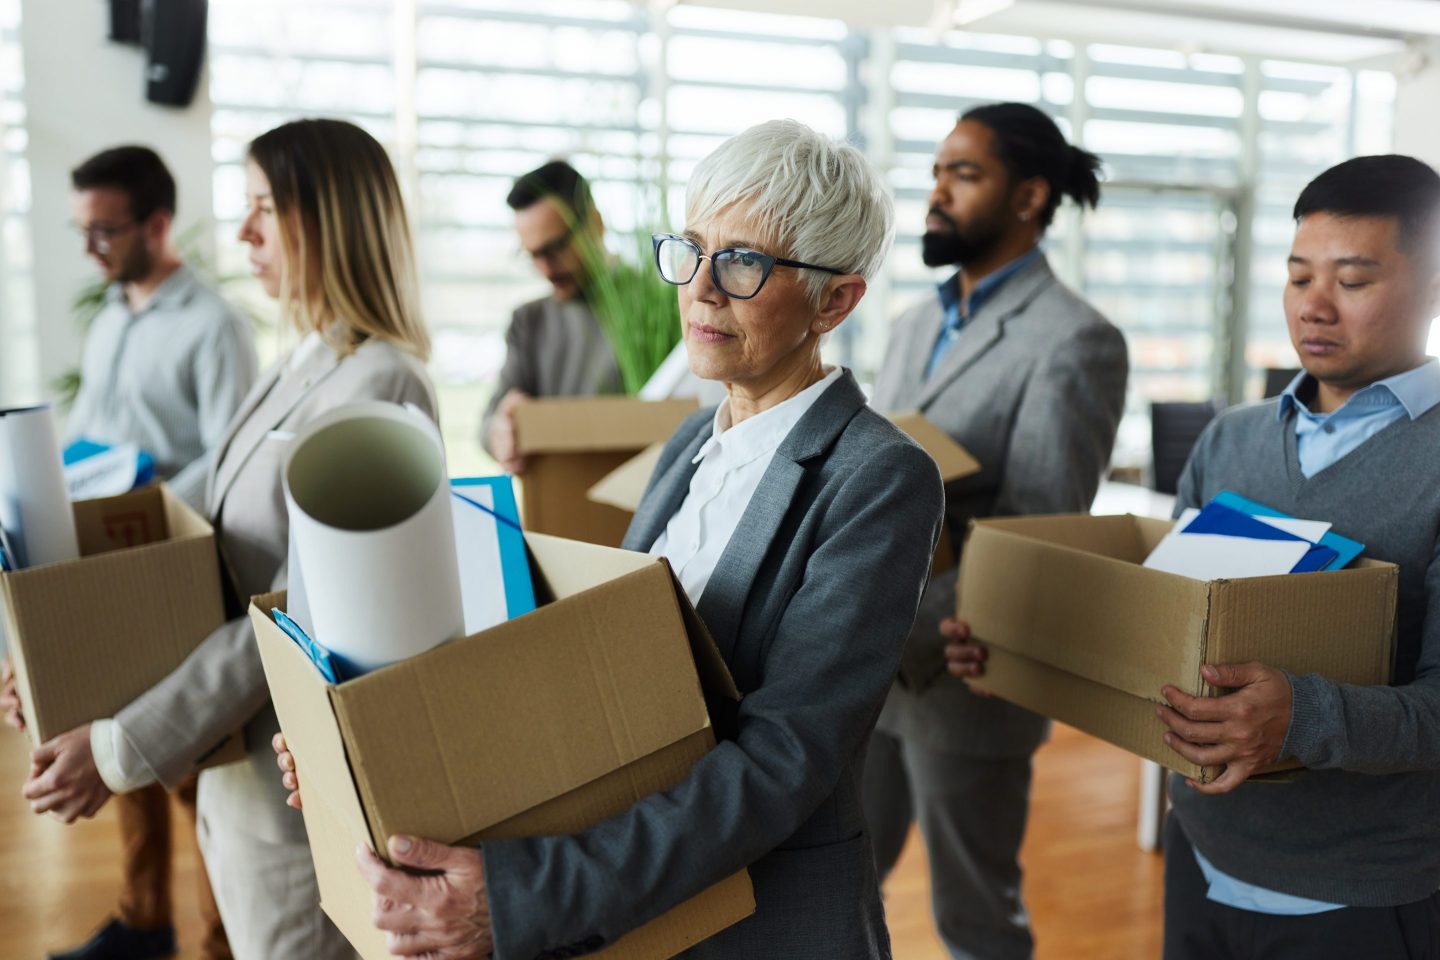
(34, 506)
(369, 506)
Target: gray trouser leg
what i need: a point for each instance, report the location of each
(972, 813)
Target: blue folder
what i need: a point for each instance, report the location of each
(83, 449)
(1345, 549)
(514, 558)
(1219, 519)
(318, 655)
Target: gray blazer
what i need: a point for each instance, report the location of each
(1034, 388)
(810, 605)
(221, 686)
(553, 348)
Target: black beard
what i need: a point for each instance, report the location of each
(137, 266)
(952, 247)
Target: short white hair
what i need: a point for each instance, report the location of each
(818, 198)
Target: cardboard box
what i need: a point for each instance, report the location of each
(571, 444)
(544, 724)
(1080, 631)
(89, 636)
(623, 487)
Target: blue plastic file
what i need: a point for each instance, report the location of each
(1345, 549)
(83, 449)
(318, 655)
(514, 557)
(1226, 521)
(9, 557)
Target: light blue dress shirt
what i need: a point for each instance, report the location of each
(958, 312)
(1320, 440)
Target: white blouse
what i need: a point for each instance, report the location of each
(732, 463)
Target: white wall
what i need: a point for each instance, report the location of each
(1417, 91)
(83, 94)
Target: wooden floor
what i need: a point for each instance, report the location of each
(1093, 895)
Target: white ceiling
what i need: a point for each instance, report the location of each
(1338, 31)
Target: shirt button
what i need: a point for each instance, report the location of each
(1329, 428)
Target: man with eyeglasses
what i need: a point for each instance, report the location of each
(166, 364)
(166, 361)
(555, 346)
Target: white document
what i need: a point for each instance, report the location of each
(477, 545)
(1211, 556)
(1311, 530)
(34, 507)
(106, 474)
(370, 512)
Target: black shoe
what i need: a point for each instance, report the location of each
(116, 941)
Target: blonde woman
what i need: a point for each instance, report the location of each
(328, 236)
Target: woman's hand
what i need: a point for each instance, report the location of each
(434, 904)
(285, 760)
(962, 658)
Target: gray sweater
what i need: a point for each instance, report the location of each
(1361, 826)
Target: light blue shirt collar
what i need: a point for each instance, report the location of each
(983, 290)
(1416, 390)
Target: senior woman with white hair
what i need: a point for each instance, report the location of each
(801, 523)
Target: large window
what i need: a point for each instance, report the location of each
(17, 321)
(1203, 153)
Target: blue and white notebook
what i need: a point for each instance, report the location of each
(1345, 549)
(495, 583)
(1232, 537)
(98, 470)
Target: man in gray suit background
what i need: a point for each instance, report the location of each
(1030, 379)
(555, 346)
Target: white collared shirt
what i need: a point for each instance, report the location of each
(308, 347)
(732, 463)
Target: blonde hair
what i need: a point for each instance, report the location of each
(339, 208)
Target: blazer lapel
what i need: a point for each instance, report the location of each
(284, 395)
(665, 498)
(220, 470)
(722, 605)
(984, 332)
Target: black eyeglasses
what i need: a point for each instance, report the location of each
(737, 272)
(554, 247)
(101, 235)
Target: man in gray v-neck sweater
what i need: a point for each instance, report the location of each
(1343, 862)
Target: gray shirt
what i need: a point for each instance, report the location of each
(167, 378)
(554, 348)
(1361, 826)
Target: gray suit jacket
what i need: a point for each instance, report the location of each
(554, 348)
(1034, 388)
(809, 605)
(221, 686)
